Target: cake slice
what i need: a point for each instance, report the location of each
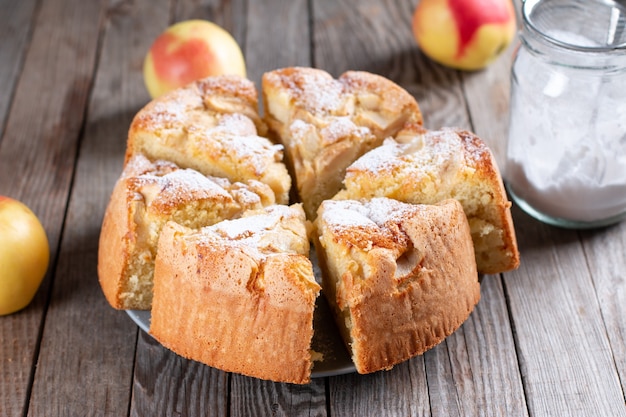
(239, 295)
(427, 167)
(399, 277)
(325, 123)
(146, 196)
(212, 126)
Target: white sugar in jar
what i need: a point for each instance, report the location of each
(566, 152)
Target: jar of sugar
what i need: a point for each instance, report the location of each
(566, 151)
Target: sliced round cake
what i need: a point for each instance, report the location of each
(326, 123)
(212, 126)
(425, 167)
(198, 230)
(239, 295)
(146, 196)
(400, 277)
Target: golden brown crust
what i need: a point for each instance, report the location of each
(212, 126)
(426, 167)
(144, 198)
(401, 277)
(325, 123)
(239, 296)
(116, 237)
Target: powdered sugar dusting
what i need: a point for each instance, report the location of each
(433, 151)
(276, 228)
(245, 227)
(237, 124)
(373, 213)
(256, 151)
(346, 214)
(378, 159)
(314, 90)
(191, 180)
(341, 127)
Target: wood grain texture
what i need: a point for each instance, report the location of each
(169, 385)
(483, 362)
(401, 391)
(70, 370)
(229, 14)
(253, 397)
(564, 352)
(16, 22)
(37, 155)
(605, 253)
(487, 93)
(277, 36)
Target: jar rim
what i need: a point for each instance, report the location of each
(615, 28)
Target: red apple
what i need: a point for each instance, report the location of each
(188, 51)
(24, 255)
(464, 34)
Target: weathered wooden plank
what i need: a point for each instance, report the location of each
(564, 353)
(230, 15)
(401, 391)
(15, 27)
(253, 397)
(71, 370)
(277, 36)
(487, 93)
(442, 394)
(605, 253)
(166, 384)
(483, 363)
(568, 366)
(37, 155)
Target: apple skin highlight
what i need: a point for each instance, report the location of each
(188, 51)
(464, 34)
(24, 255)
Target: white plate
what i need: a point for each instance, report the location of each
(326, 339)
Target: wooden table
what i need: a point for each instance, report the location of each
(545, 340)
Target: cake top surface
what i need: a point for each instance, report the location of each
(273, 229)
(440, 150)
(203, 102)
(376, 212)
(369, 223)
(164, 186)
(318, 93)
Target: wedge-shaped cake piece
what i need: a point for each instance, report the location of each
(400, 277)
(427, 167)
(325, 123)
(212, 126)
(239, 296)
(146, 196)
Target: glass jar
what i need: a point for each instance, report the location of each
(566, 151)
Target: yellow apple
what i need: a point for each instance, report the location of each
(464, 34)
(24, 255)
(188, 51)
